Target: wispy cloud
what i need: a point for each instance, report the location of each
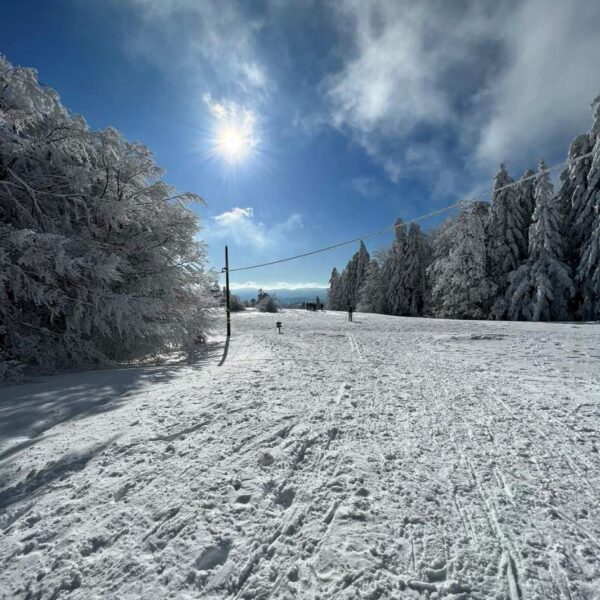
(239, 226)
(368, 187)
(429, 88)
(551, 78)
(208, 42)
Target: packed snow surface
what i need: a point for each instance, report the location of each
(385, 458)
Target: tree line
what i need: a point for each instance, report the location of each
(531, 253)
(264, 302)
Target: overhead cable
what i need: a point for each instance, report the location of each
(450, 207)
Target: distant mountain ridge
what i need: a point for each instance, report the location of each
(284, 294)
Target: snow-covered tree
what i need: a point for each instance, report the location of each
(571, 197)
(334, 294)
(268, 303)
(461, 287)
(373, 291)
(586, 224)
(354, 276)
(525, 192)
(344, 296)
(505, 236)
(98, 256)
(344, 289)
(541, 289)
(235, 304)
(393, 271)
(417, 256)
(362, 266)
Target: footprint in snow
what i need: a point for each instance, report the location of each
(266, 459)
(213, 556)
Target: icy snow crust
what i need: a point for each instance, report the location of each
(385, 458)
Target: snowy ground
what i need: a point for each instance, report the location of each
(386, 458)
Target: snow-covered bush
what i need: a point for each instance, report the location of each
(268, 303)
(98, 256)
(235, 304)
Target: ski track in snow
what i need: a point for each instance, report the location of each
(385, 458)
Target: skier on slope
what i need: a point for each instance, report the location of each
(350, 311)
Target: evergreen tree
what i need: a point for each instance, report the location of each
(505, 234)
(393, 272)
(352, 279)
(576, 217)
(373, 291)
(417, 256)
(587, 225)
(540, 290)
(334, 294)
(362, 266)
(461, 287)
(526, 201)
(344, 297)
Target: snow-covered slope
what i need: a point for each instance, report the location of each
(385, 458)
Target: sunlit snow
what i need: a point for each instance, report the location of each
(385, 458)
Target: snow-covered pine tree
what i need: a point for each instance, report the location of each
(393, 272)
(505, 237)
(362, 266)
(354, 277)
(344, 297)
(461, 286)
(98, 256)
(417, 256)
(373, 291)
(587, 225)
(526, 201)
(334, 293)
(571, 203)
(541, 289)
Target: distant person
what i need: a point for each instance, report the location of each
(350, 311)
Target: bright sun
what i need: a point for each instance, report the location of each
(235, 136)
(233, 143)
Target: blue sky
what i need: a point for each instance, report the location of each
(359, 112)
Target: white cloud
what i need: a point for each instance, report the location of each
(429, 88)
(209, 42)
(551, 79)
(239, 226)
(235, 215)
(391, 79)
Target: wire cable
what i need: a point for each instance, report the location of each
(354, 240)
(460, 203)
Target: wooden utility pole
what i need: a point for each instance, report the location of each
(226, 269)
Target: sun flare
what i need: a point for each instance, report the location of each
(233, 143)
